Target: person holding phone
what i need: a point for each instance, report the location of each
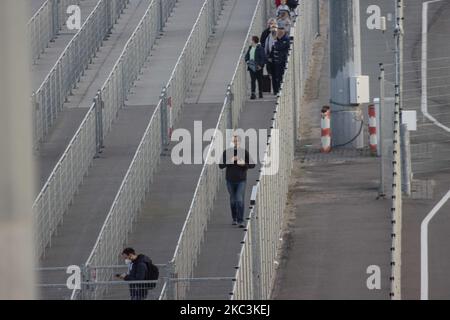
(237, 162)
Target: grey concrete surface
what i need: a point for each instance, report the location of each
(52, 148)
(337, 230)
(376, 47)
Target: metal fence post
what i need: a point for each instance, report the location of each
(318, 18)
(164, 120)
(406, 160)
(382, 190)
(230, 98)
(36, 136)
(85, 281)
(161, 16)
(171, 283)
(99, 122)
(256, 248)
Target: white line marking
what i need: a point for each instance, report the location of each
(424, 108)
(424, 103)
(424, 247)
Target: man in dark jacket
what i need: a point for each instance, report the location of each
(237, 161)
(256, 59)
(138, 271)
(280, 56)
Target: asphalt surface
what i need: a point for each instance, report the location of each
(429, 144)
(430, 151)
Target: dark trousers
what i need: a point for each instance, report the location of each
(278, 76)
(237, 199)
(271, 71)
(257, 76)
(138, 294)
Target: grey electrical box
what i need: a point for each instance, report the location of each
(359, 90)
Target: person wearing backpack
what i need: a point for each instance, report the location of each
(141, 269)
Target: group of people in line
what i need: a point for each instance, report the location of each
(271, 49)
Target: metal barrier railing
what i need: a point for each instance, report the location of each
(46, 23)
(60, 188)
(53, 283)
(256, 271)
(136, 183)
(211, 178)
(40, 29)
(49, 98)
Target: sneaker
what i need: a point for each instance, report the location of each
(261, 96)
(235, 223)
(241, 225)
(253, 97)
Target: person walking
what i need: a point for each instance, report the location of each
(280, 55)
(141, 268)
(256, 59)
(237, 162)
(268, 50)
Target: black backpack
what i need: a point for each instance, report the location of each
(152, 274)
(292, 4)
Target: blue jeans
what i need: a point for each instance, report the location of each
(237, 199)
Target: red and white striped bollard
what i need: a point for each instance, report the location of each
(326, 130)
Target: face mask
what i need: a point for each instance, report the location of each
(127, 262)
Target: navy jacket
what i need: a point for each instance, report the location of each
(281, 50)
(260, 56)
(139, 270)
